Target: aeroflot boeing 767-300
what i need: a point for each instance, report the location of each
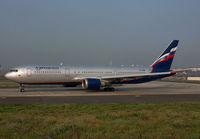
(94, 78)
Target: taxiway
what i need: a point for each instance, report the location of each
(155, 91)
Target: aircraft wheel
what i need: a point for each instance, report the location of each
(112, 89)
(109, 89)
(21, 88)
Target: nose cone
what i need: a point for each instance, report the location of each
(8, 76)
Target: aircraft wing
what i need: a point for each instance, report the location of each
(124, 77)
(134, 75)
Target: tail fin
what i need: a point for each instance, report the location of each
(164, 61)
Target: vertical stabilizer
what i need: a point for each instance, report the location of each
(164, 61)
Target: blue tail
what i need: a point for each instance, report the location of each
(164, 61)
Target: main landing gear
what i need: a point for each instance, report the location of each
(21, 88)
(109, 88)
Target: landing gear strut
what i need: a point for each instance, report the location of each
(109, 88)
(21, 88)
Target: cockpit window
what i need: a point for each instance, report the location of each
(13, 70)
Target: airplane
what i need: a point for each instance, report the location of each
(94, 78)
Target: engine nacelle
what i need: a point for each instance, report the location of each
(92, 84)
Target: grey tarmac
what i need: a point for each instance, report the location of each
(155, 91)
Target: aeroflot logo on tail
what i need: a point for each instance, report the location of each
(40, 68)
(168, 55)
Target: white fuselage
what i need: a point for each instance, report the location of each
(63, 74)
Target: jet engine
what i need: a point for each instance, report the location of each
(91, 84)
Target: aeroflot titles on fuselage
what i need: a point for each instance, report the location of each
(40, 68)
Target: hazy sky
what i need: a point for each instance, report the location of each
(93, 32)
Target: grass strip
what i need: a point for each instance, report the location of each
(117, 121)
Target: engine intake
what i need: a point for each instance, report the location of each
(92, 84)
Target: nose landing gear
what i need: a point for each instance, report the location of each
(21, 88)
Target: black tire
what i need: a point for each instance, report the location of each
(109, 89)
(112, 89)
(21, 90)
